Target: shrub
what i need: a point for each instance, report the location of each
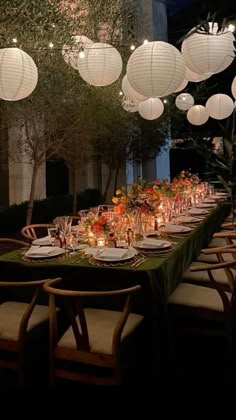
(13, 218)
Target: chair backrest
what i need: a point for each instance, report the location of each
(35, 231)
(73, 301)
(105, 207)
(77, 319)
(228, 267)
(15, 319)
(9, 244)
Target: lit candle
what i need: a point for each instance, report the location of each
(100, 242)
(91, 239)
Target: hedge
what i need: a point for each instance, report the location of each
(13, 218)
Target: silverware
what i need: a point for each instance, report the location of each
(144, 259)
(139, 259)
(78, 260)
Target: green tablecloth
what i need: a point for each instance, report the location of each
(157, 276)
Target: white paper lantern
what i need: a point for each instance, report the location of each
(18, 74)
(182, 86)
(233, 87)
(129, 105)
(197, 115)
(70, 53)
(151, 109)
(155, 69)
(101, 66)
(191, 76)
(184, 101)
(129, 92)
(211, 53)
(220, 106)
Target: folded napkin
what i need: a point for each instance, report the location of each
(113, 253)
(43, 251)
(152, 242)
(195, 210)
(176, 228)
(46, 240)
(186, 219)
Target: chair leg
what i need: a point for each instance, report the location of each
(21, 369)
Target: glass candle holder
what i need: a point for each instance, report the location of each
(101, 241)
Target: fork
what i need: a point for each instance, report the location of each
(139, 259)
(140, 262)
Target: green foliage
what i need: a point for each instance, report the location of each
(13, 218)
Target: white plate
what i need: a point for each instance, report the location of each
(130, 253)
(159, 244)
(205, 205)
(197, 211)
(187, 219)
(175, 229)
(55, 252)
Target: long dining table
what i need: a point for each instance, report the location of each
(158, 275)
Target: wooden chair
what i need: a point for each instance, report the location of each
(19, 324)
(219, 239)
(35, 231)
(95, 337)
(219, 254)
(203, 310)
(9, 244)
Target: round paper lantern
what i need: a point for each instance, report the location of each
(101, 66)
(155, 69)
(191, 76)
(220, 106)
(129, 105)
(182, 86)
(70, 53)
(184, 101)
(233, 88)
(151, 109)
(208, 53)
(197, 115)
(129, 92)
(18, 74)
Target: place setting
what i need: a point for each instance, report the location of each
(175, 230)
(111, 257)
(150, 247)
(38, 253)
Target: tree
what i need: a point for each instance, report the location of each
(35, 25)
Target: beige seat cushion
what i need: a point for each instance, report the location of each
(202, 276)
(10, 317)
(101, 324)
(190, 295)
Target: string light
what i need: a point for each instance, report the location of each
(165, 101)
(145, 41)
(14, 40)
(121, 93)
(51, 45)
(132, 47)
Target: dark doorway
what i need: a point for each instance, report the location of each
(57, 178)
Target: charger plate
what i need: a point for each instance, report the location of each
(100, 263)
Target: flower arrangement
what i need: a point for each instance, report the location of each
(142, 196)
(97, 224)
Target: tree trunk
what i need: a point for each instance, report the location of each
(32, 194)
(116, 178)
(75, 190)
(107, 184)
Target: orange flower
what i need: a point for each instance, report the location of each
(120, 208)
